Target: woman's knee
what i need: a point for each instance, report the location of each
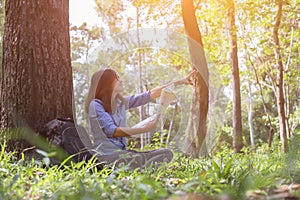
(130, 159)
(164, 154)
(168, 155)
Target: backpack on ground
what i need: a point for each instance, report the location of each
(73, 139)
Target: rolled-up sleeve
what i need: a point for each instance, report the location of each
(138, 99)
(105, 121)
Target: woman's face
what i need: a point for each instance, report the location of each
(118, 85)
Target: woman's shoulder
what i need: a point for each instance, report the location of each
(96, 103)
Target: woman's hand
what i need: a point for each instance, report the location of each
(156, 92)
(186, 80)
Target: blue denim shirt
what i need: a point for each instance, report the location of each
(104, 124)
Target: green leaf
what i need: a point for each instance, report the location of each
(227, 168)
(41, 152)
(216, 168)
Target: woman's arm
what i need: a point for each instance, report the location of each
(156, 92)
(128, 131)
(138, 100)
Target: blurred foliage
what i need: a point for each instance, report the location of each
(83, 39)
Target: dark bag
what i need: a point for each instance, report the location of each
(72, 139)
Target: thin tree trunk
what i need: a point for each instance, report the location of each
(237, 116)
(287, 88)
(271, 128)
(140, 82)
(36, 81)
(250, 116)
(171, 124)
(271, 134)
(287, 110)
(280, 82)
(197, 123)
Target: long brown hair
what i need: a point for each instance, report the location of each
(102, 86)
(105, 88)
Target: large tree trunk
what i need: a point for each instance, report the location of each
(36, 81)
(236, 116)
(195, 144)
(280, 93)
(2, 2)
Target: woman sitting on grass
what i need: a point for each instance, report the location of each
(106, 110)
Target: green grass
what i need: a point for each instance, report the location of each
(223, 173)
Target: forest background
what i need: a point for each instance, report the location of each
(258, 71)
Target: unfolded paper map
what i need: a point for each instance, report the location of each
(166, 98)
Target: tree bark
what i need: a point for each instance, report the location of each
(36, 81)
(237, 116)
(280, 93)
(195, 144)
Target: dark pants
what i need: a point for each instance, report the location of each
(134, 159)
